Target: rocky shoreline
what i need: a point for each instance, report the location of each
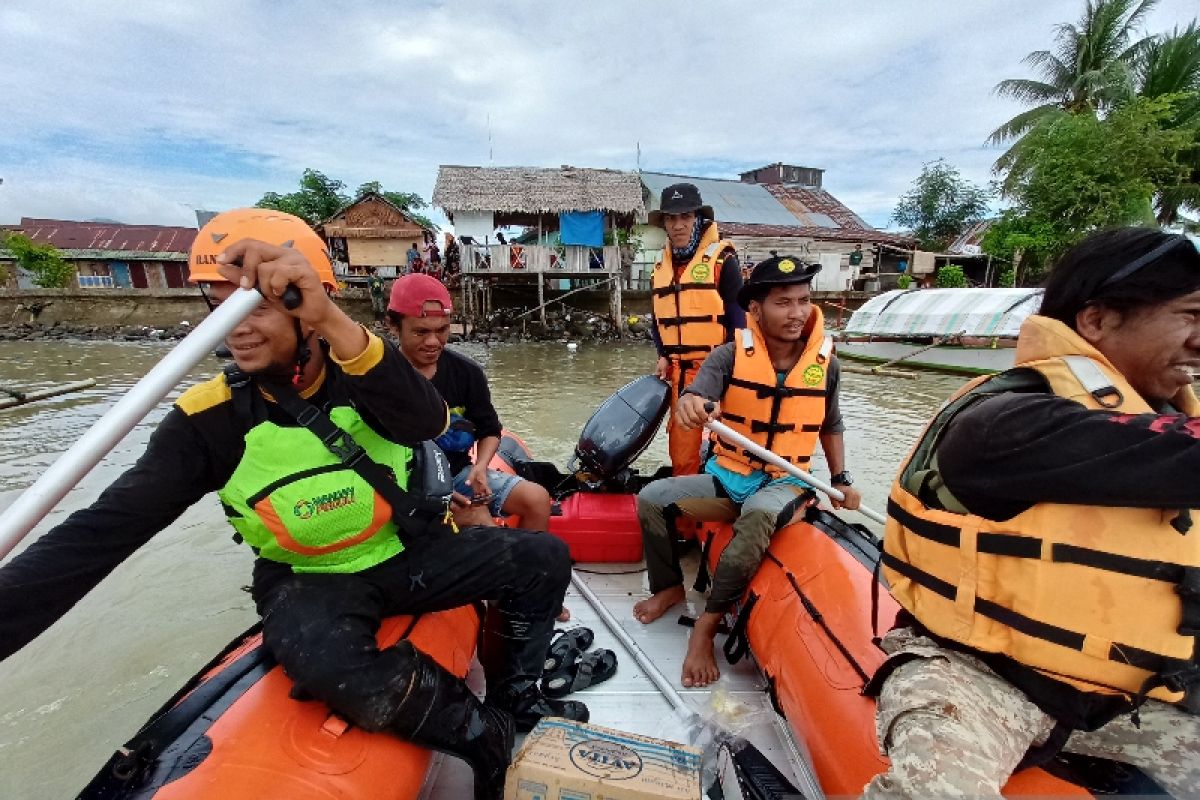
(503, 325)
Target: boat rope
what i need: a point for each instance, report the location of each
(819, 618)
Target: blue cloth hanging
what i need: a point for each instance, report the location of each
(582, 227)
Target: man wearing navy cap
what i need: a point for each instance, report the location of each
(776, 383)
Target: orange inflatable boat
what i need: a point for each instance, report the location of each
(236, 733)
(807, 620)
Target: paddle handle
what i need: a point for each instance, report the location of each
(27, 510)
(732, 436)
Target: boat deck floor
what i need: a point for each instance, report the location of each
(629, 701)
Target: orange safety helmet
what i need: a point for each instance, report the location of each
(264, 224)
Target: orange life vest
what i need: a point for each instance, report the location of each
(1092, 596)
(784, 418)
(688, 309)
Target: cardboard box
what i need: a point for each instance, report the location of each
(565, 760)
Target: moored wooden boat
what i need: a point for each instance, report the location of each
(965, 331)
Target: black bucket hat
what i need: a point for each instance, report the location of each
(679, 198)
(776, 271)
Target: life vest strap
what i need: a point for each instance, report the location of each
(675, 288)
(415, 516)
(1018, 546)
(1093, 379)
(758, 426)
(763, 391)
(1037, 629)
(685, 349)
(678, 321)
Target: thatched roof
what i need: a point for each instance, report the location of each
(534, 190)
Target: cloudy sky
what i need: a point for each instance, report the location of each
(144, 111)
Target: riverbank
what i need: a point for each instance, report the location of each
(573, 325)
(151, 315)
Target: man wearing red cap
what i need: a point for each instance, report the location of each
(419, 316)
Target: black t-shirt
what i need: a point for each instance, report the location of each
(1004, 454)
(463, 385)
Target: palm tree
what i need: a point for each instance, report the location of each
(1170, 65)
(1088, 71)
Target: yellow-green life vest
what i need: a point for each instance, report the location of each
(294, 502)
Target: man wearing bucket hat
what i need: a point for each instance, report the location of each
(694, 290)
(777, 384)
(313, 441)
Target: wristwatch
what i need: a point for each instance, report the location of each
(842, 479)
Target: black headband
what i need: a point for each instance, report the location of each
(1133, 266)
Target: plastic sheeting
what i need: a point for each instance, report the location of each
(943, 312)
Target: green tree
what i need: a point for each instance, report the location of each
(1088, 71)
(1076, 173)
(320, 197)
(1169, 66)
(43, 261)
(939, 205)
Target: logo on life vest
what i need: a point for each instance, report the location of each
(787, 265)
(814, 374)
(606, 760)
(307, 509)
(701, 273)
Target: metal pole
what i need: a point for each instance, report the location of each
(35, 502)
(732, 436)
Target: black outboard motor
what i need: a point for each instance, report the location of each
(622, 427)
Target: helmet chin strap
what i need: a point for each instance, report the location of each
(303, 354)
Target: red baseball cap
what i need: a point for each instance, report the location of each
(420, 295)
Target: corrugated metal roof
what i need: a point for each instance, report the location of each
(107, 236)
(732, 201)
(809, 203)
(944, 312)
(969, 241)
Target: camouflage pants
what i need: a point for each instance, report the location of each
(953, 728)
(698, 497)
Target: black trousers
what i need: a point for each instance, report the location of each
(321, 627)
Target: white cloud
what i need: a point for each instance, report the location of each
(134, 111)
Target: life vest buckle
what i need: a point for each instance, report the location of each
(343, 446)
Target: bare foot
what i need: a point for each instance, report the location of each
(564, 615)
(657, 604)
(700, 664)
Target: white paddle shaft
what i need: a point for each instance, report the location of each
(35, 502)
(733, 437)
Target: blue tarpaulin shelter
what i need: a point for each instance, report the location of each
(582, 228)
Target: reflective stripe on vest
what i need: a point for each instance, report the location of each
(295, 503)
(785, 419)
(688, 308)
(1101, 598)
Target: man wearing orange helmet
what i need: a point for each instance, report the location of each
(315, 440)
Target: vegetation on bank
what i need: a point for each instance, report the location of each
(320, 197)
(43, 262)
(1112, 138)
